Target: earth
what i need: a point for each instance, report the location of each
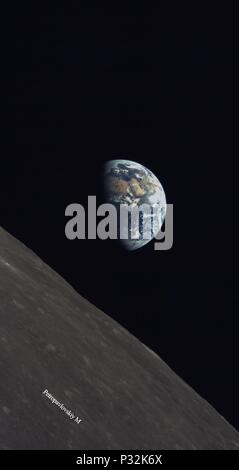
(133, 185)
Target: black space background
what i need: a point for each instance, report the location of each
(85, 85)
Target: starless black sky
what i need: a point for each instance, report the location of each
(85, 85)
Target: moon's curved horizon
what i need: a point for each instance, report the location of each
(126, 396)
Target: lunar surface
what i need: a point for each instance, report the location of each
(123, 394)
(135, 186)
